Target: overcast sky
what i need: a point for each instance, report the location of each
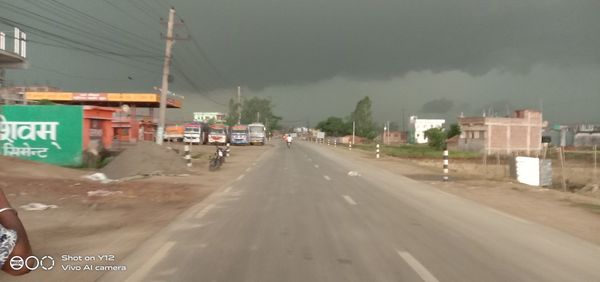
(317, 58)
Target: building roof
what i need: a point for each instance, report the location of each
(141, 100)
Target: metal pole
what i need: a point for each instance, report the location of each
(165, 78)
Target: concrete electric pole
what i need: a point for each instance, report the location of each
(165, 78)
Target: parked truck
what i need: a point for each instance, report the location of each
(257, 133)
(217, 134)
(174, 133)
(195, 133)
(239, 135)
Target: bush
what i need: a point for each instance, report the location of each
(436, 138)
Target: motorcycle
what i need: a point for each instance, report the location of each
(218, 158)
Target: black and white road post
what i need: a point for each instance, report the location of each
(228, 150)
(335, 142)
(445, 178)
(188, 156)
(350, 146)
(377, 152)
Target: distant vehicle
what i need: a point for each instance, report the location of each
(217, 134)
(257, 133)
(217, 160)
(174, 133)
(239, 135)
(195, 133)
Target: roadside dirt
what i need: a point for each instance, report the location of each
(84, 225)
(576, 214)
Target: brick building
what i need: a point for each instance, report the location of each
(520, 133)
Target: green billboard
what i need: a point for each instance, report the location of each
(50, 134)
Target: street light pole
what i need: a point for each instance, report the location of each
(162, 113)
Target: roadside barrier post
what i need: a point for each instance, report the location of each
(227, 149)
(328, 142)
(350, 146)
(335, 142)
(188, 156)
(445, 178)
(377, 152)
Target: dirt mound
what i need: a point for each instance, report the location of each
(22, 168)
(145, 159)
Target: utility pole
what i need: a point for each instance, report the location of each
(239, 105)
(353, 130)
(165, 78)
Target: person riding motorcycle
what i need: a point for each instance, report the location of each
(288, 139)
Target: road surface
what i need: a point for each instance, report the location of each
(297, 215)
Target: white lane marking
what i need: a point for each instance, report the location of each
(204, 211)
(248, 169)
(309, 159)
(349, 200)
(240, 177)
(418, 267)
(316, 166)
(154, 259)
(508, 215)
(326, 177)
(227, 190)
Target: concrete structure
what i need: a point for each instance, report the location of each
(393, 137)
(520, 133)
(587, 135)
(11, 58)
(16, 94)
(419, 126)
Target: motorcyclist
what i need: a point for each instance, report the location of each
(288, 139)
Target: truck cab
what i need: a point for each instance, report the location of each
(195, 133)
(239, 135)
(217, 134)
(257, 133)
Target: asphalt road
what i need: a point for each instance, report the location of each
(296, 215)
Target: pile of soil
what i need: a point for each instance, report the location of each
(145, 159)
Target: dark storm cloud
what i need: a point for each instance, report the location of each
(317, 58)
(287, 42)
(438, 106)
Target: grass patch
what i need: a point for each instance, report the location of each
(415, 151)
(591, 207)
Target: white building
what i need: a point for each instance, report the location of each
(207, 116)
(419, 126)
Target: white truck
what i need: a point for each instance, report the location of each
(258, 133)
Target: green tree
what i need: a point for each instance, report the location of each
(454, 130)
(232, 114)
(260, 110)
(363, 118)
(436, 138)
(335, 126)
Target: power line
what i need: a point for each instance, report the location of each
(212, 66)
(129, 15)
(79, 76)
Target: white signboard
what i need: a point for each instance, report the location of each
(320, 135)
